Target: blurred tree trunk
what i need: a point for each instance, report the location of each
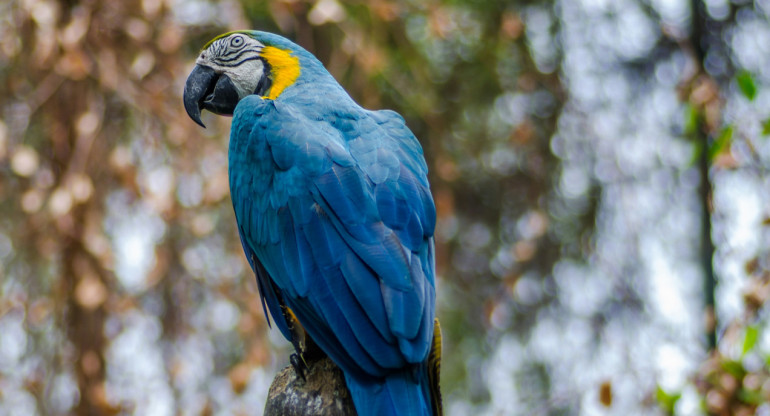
(704, 36)
(75, 111)
(81, 80)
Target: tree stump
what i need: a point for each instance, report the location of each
(322, 393)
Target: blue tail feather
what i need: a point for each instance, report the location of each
(405, 393)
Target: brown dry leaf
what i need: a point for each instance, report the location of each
(445, 204)
(447, 169)
(752, 265)
(75, 65)
(704, 91)
(524, 250)
(605, 394)
(207, 409)
(440, 22)
(756, 294)
(523, 133)
(90, 363)
(97, 394)
(512, 26)
(725, 160)
(386, 10)
(239, 377)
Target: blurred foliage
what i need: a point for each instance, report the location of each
(737, 381)
(747, 85)
(560, 138)
(721, 144)
(666, 400)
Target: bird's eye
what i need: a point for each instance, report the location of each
(236, 41)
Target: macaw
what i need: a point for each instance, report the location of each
(335, 216)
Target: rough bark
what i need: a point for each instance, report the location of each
(322, 393)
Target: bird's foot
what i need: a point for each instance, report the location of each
(299, 365)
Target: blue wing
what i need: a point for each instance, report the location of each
(336, 208)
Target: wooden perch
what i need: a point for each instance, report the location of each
(322, 393)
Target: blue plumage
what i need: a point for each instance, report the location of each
(337, 219)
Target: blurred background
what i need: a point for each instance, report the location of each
(600, 169)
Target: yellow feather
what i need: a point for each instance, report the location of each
(285, 69)
(434, 370)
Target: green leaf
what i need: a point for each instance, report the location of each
(750, 339)
(721, 143)
(697, 151)
(691, 120)
(667, 400)
(766, 127)
(735, 368)
(747, 85)
(751, 397)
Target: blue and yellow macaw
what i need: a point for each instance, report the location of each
(335, 216)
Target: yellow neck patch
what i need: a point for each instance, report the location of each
(285, 69)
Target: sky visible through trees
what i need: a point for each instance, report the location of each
(593, 162)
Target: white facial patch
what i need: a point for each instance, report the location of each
(236, 56)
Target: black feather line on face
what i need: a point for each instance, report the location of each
(266, 82)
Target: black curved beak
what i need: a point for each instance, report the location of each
(205, 89)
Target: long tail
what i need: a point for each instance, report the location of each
(400, 394)
(413, 392)
(434, 370)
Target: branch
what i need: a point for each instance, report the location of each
(322, 393)
(699, 38)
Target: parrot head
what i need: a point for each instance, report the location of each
(238, 64)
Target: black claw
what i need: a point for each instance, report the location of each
(299, 365)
